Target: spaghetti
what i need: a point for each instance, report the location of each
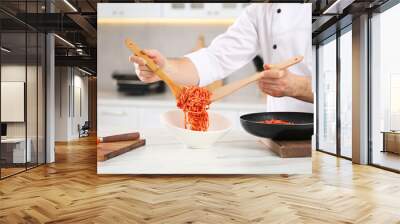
(194, 101)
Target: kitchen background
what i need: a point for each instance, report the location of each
(334, 71)
(174, 29)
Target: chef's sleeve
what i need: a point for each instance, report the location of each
(229, 51)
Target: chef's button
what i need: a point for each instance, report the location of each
(279, 11)
(274, 46)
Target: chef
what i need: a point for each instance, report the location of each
(274, 30)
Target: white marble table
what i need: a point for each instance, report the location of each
(236, 153)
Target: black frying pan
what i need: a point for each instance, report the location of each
(301, 129)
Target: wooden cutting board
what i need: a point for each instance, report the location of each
(109, 150)
(289, 149)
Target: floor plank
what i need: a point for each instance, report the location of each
(70, 191)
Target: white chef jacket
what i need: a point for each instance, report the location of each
(277, 31)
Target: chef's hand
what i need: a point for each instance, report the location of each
(181, 70)
(144, 73)
(281, 82)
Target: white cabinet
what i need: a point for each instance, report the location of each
(19, 153)
(149, 117)
(117, 119)
(183, 10)
(122, 119)
(129, 10)
(121, 116)
(171, 10)
(17, 148)
(224, 10)
(202, 10)
(128, 118)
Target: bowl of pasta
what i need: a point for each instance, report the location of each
(218, 126)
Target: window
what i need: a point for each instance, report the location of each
(385, 89)
(327, 96)
(346, 93)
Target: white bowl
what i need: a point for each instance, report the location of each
(174, 121)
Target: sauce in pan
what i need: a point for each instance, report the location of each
(275, 121)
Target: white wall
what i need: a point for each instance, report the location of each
(81, 108)
(69, 82)
(62, 81)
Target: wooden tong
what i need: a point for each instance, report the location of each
(175, 88)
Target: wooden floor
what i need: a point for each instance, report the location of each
(387, 159)
(5, 172)
(70, 191)
(10, 171)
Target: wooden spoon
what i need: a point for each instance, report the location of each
(232, 87)
(175, 88)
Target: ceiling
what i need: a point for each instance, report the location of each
(77, 23)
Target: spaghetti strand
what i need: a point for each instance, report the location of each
(194, 101)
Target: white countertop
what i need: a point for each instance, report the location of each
(236, 153)
(166, 99)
